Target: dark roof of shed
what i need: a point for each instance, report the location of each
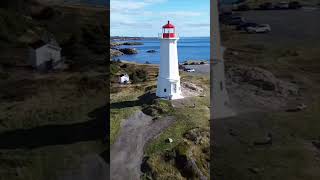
(37, 44)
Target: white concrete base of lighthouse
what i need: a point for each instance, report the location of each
(169, 88)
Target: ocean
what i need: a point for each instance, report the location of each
(189, 48)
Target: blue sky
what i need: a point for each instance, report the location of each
(146, 17)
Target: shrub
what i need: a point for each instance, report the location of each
(114, 69)
(158, 107)
(139, 75)
(124, 66)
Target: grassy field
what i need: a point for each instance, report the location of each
(186, 118)
(292, 154)
(50, 121)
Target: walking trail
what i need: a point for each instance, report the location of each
(126, 153)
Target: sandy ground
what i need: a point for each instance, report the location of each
(127, 152)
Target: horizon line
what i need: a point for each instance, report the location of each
(151, 36)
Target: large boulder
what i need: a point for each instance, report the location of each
(128, 51)
(260, 78)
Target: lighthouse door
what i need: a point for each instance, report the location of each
(174, 88)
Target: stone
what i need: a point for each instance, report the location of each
(128, 51)
(151, 51)
(169, 140)
(260, 78)
(254, 170)
(265, 141)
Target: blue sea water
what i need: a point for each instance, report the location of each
(189, 48)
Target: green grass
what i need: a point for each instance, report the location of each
(291, 156)
(56, 99)
(45, 163)
(186, 119)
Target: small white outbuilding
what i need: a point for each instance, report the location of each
(124, 79)
(45, 55)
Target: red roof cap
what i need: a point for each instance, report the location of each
(168, 25)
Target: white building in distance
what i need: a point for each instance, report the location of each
(168, 85)
(45, 55)
(124, 79)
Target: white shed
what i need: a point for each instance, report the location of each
(124, 79)
(45, 55)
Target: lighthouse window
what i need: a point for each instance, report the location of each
(165, 90)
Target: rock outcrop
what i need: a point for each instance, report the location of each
(128, 51)
(260, 78)
(115, 53)
(151, 51)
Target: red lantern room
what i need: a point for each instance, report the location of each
(168, 31)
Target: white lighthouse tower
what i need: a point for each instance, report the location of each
(220, 104)
(168, 79)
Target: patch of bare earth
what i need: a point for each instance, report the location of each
(127, 152)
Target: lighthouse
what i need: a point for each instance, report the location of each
(220, 103)
(168, 85)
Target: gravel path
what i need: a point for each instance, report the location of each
(127, 152)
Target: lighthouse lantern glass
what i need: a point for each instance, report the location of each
(168, 33)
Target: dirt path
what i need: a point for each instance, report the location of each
(127, 152)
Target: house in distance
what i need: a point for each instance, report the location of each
(45, 55)
(124, 79)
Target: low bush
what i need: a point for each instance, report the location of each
(158, 107)
(139, 75)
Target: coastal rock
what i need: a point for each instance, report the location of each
(115, 44)
(115, 38)
(128, 51)
(151, 51)
(115, 53)
(132, 43)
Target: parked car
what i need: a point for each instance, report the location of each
(261, 28)
(189, 70)
(243, 26)
(236, 20)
